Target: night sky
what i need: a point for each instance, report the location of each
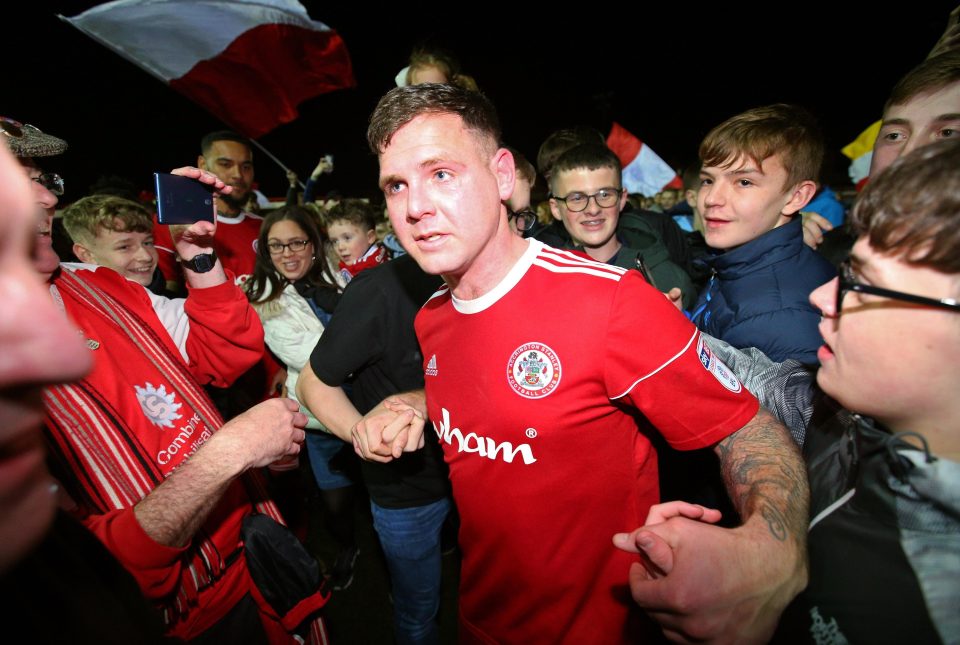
(668, 75)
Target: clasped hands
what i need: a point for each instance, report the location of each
(702, 583)
(390, 429)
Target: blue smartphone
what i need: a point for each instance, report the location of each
(181, 200)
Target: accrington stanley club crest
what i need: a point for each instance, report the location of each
(533, 370)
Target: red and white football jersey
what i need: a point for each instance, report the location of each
(532, 391)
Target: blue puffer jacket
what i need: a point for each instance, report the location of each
(759, 294)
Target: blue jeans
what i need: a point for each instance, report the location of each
(322, 447)
(410, 538)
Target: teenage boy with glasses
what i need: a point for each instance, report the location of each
(586, 198)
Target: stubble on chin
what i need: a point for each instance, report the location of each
(234, 203)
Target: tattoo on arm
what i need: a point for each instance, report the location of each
(764, 473)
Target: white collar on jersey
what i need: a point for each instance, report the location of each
(226, 219)
(503, 287)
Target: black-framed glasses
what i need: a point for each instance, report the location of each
(605, 198)
(847, 282)
(524, 219)
(295, 246)
(51, 181)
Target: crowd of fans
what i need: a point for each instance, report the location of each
(185, 369)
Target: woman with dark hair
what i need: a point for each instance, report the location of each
(294, 293)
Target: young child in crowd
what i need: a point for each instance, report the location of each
(352, 228)
(434, 65)
(115, 233)
(759, 169)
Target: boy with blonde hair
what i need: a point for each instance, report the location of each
(115, 233)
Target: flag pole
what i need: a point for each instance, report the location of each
(276, 161)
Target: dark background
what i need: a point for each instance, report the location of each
(667, 73)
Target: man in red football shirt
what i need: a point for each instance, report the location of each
(539, 368)
(227, 155)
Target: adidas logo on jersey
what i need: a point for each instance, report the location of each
(431, 366)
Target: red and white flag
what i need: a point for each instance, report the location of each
(248, 62)
(644, 171)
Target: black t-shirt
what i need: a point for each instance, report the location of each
(371, 337)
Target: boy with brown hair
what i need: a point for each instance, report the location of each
(923, 107)
(878, 425)
(352, 228)
(586, 201)
(759, 169)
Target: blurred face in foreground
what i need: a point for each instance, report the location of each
(37, 347)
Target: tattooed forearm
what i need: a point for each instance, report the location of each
(764, 474)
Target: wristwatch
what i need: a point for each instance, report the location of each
(201, 263)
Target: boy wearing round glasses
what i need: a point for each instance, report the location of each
(586, 197)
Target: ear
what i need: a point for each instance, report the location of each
(800, 196)
(84, 254)
(555, 209)
(503, 167)
(691, 196)
(623, 199)
(201, 162)
(371, 236)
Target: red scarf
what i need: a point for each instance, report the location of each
(111, 468)
(376, 254)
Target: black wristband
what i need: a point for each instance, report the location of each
(201, 263)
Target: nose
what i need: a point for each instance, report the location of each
(595, 208)
(419, 203)
(43, 197)
(143, 253)
(824, 298)
(912, 144)
(710, 195)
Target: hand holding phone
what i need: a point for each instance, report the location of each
(183, 200)
(325, 165)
